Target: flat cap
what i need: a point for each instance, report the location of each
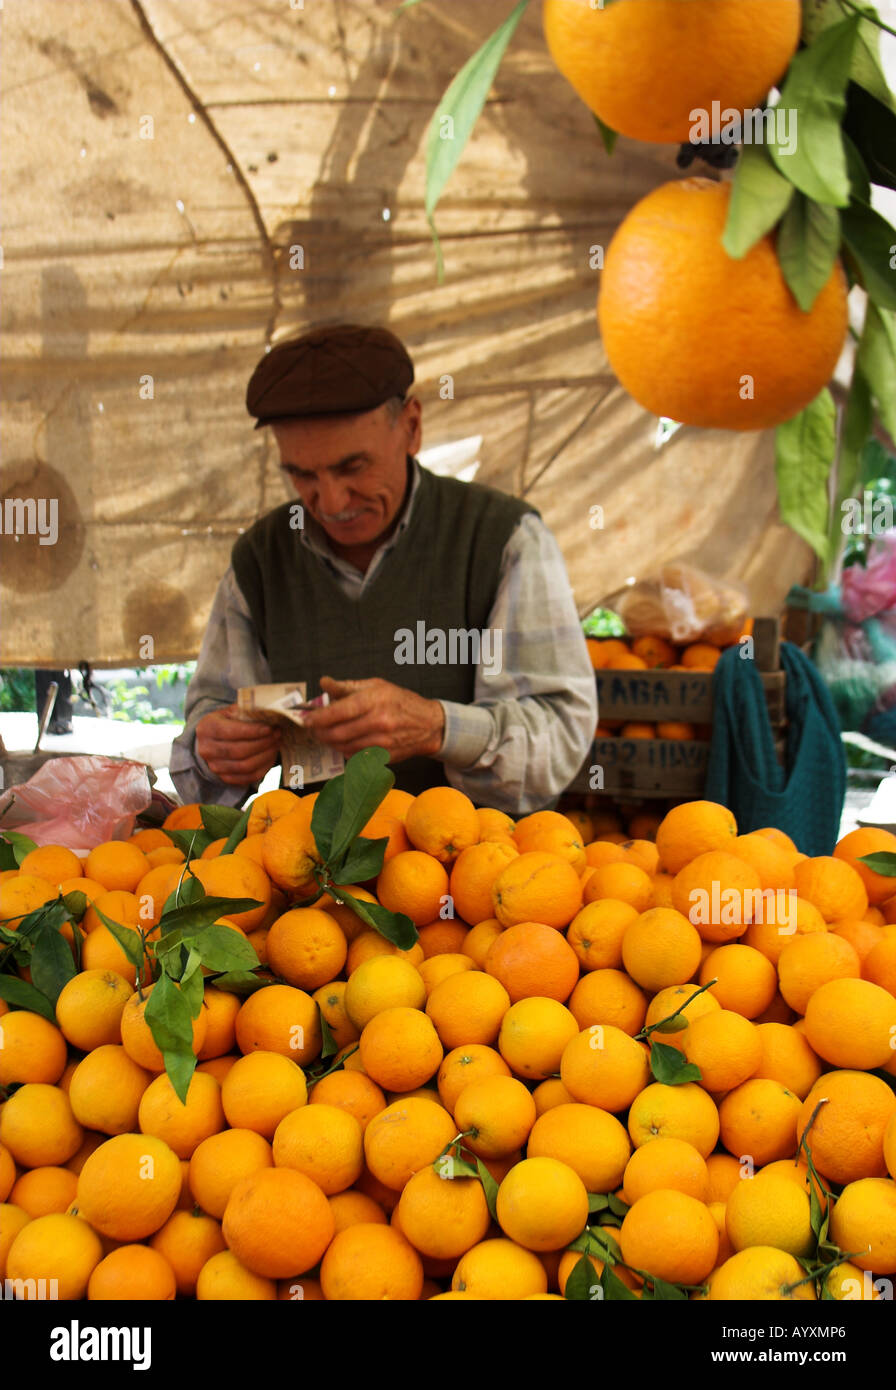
(339, 369)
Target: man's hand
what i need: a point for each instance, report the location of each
(237, 752)
(362, 713)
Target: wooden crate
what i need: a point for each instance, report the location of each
(646, 766)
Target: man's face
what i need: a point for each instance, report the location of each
(350, 472)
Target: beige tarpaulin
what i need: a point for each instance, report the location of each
(184, 181)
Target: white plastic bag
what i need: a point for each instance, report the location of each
(682, 604)
(78, 802)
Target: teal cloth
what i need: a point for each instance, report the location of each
(804, 798)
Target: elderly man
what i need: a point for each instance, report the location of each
(436, 614)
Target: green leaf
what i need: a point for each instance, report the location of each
(187, 921)
(805, 447)
(330, 1045)
(364, 860)
(24, 996)
(451, 1165)
(490, 1187)
(876, 360)
(129, 940)
(581, 1281)
(237, 832)
(7, 856)
(870, 239)
(617, 1206)
(187, 892)
(866, 66)
(220, 820)
(21, 845)
(673, 1024)
(670, 1066)
(815, 87)
(882, 862)
(52, 964)
(597, 1201)
(760, 196)
(871, 124)
(858, 418)
(394, 926)
(192, 983)
(808, 246)
(239, 982)
(168, 1017)
(325, 815)
(607, 134)
(458, 112)
(614, 1289)
(365, 782)
(666, 1293)
(859, 182)
(191, 842)
(221, 948)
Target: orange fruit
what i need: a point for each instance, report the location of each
(656, 651)
(533, 1034)
(661, 948)
(12, 1219)
(770, 1209)
(642, 68)
(371, 943)
(116, 864)
(670, 1234)
(182, 1125)
(757, 1119)
(289, 853)
(587, 1139)
(260, 1089)
(55, 863)
(443, 1217)
(7, 1173)
(306, 947)
(351, 1091)
(644, 853)
(382, 982)
(862, 936)
(552, 833)
(235, 876)
(437, 968)
(782, 922)
(833, 885)
(277, 1222)
(221, 1008)
(761, 1272)
(188, 1240)
(864, 1220)
(637, 730)
(462, 1065)
(383, 826)
(530, 958)
(852, 1023)
(400, 1048)
(280, 1018)
(324, 1142)
(847, 1135)
(136, 1035)
(442, 822)
(745, 980)
(691, 829)
(353, 1208)
(405, 1137)
(595, 933)
(494, 824)
(21, 894)
(680, 1002)
(542, 1204)
(788, 1058)
(700, 656)
(608, 996)
(603, 1066)
(106, 1089)
(725, 1046)
(810, 961)
(478, 939)
(163, 856)
(40, 1191)
(59, 1252)
(31, 1049)
(371, 1262)
(772, 862)
(675, 729)
(537, 887)
(223, 1277)
(129, 1186)
(879, 966)
(269, 807)
(719, 893)
(219, 1162)
(665, 1163)
(473, 875)
(851, 849)
(414, 883)
(133, 1273)
(495, 1114)
(345, 915)
(600, 852)
(624, 881)
(37, 1126)
(679, 1112)
(499, 1269)
(90, 1006)
(694, 370)
(550, 1093)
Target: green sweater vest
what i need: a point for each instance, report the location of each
(442, 573)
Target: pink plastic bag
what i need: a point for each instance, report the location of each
(79, 802)
(871, 589)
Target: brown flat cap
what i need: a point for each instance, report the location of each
(341, 369)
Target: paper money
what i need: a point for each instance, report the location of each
(303, 757)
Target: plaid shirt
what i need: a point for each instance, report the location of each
(525, 735)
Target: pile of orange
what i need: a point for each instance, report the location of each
(658, 653)
(516, 1020)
